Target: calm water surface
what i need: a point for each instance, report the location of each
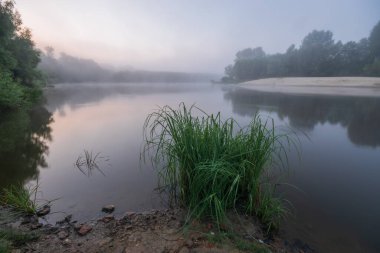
(336, 179)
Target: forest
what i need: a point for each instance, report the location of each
(318, 55)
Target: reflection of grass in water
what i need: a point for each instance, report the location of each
(88, 162)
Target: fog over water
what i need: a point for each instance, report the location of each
(187, 36)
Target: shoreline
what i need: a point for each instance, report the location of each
(150, 231)
(334, 86)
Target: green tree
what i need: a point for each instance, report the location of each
(374, 41)
(19, 77)
(315, 53)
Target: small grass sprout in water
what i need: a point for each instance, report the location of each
(89, 162)
(212, 165)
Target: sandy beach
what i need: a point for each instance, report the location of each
(337, 86)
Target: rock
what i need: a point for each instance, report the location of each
(184, 250)
(63, 234)
(137, 249)
(189, 243)
(84, 229)
(108, 208)
(50, 229)
(107, 218)
(67, 242)
(29, 219)
(129, 214)
(104, 241)
(43, 211)
(119, 249)
(64, 220)
(26, 220)
(35, 226)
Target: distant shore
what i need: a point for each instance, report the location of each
(337, 86)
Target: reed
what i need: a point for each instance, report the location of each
(212, 165)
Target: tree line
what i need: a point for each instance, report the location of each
(69, 69)
(19, 78)
(318, 55)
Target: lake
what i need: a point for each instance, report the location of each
(333, 183)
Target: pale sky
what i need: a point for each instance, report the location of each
(188, 35)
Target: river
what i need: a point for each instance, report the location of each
(332, 183)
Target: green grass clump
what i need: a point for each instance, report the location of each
(20, 199)
(10, 238)
(16, 237)
(4, 246)
(212, 165)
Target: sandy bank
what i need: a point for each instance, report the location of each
(341, 86)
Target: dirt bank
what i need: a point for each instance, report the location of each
(154, 231)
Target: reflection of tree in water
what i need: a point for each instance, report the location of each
(360, 115)
(23, 144)
(76, 94)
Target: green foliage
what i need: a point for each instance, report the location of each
(374, 68)
(221, 238)
(212, 165)
(18, 61)
(20, 199)
(16, 237)
(11, 93)
(4, 246)
(10, 238)
(374, 40)
(318, 55)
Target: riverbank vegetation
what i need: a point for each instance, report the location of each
(20, 199)
(213, 166)
(10, 238)
(20, 81)
(318, 55)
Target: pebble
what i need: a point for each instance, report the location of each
(43, 211)
(35, 226)
(107, 218)
(64, 220)
(84, 229)
(189, 243)
(184, 250)
(104, 241)
(108, 208)
(67, 242)
(129, 214)
(63, 234)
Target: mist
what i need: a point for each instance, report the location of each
(70, 69)
(196, 36)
